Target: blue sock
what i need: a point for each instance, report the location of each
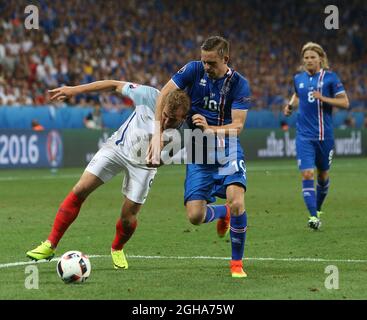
(309, 195)
(238, 235)
(215, 212)
(322, 189)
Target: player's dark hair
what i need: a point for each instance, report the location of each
(217, 43)
(178, 99)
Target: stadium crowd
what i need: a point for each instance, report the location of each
(147, 41)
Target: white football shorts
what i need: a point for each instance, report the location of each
(108, 162)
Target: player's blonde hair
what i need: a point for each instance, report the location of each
(178, 99)
(319, 50)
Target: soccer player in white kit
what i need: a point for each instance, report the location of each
(124, 151)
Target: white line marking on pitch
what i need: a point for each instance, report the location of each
(16, 264)
(61, 175)
(56, 176)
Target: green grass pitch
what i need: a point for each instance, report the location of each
(171, 259)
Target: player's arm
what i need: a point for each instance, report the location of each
(341, 100)
(180, 80)
(338, 97)
(238, 120)
(156, 143)
(169, 87)
(291, 105)
(239, 107)
(62, 93)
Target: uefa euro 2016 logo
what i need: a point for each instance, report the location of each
(54, 148)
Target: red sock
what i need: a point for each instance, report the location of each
(124, 230)
(65, 216)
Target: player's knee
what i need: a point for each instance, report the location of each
(307, 175)
(195, 217)
(195, 211)
(195, 220)
(130, 210)
(81, 191)
(237, 206)
(323, 175)
(86, 185)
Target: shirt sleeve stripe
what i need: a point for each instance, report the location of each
(340, 92)
(175, 84)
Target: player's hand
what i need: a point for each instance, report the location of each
(153, 158)
(200, 121)
(287, 111)
(317, 95)
(150, 165)
(62, 93)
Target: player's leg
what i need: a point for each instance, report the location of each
(231, 183)
(125, 227)
(136, 186)
(196, 211)
(308, 191)
(238, 227)
(324, 157)
(101, 169)
(66, 214)
(306, 155)
(198, 185)
(70, 207)
(322, 188)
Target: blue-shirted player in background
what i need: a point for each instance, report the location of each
(317, 90)
(220, 98)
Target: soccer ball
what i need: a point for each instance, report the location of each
(73, 266)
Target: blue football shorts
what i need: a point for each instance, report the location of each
(314, 153)
(207, 181)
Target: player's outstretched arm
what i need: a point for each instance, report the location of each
(289, 107)
(62, 93)
(155, 146)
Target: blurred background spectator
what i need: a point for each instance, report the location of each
(147, 41)
(36, 126)
(284, 125)
(349, 123)
(93, 120)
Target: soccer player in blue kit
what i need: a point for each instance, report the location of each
(220, 99)
(317, 91)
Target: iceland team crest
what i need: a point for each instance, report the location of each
(54, 148)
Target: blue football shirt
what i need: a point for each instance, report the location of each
(314, 118)
(213, 98)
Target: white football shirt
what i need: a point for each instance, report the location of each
(133, 137)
